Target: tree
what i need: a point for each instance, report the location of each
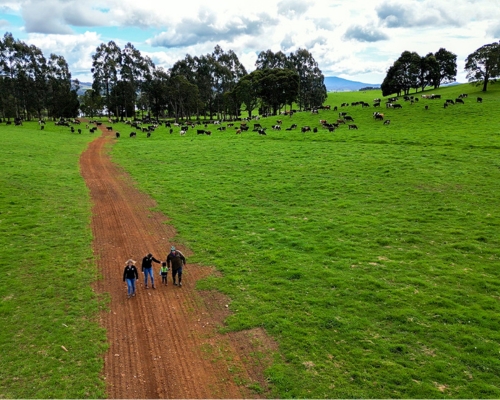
(391, 83)
(183, 96)
(312, 89)
(105, 69)
(278, 86)
(447, 70)
(91, 103)
(247, 90)
(483, 65)
(269, 60)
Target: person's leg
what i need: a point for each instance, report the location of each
(174, 273)
(133, 281)
(179, 272)
(146, 277)
(152, 278)
(129, 287)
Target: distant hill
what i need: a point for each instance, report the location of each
(334, 84)
(83, 87)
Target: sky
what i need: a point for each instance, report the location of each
(351, 39)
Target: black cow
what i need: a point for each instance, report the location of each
(117, 134)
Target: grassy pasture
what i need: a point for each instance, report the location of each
(370, 255)
(46, 300)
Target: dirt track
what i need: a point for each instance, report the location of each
(163, 343)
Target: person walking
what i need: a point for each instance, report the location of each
(130, 275)
(164, 273)
(177, 260)
(147, 269)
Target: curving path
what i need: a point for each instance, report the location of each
(163, 343)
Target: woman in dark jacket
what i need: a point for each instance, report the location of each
(130, 275)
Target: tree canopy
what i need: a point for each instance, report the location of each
(483, 65)
(411, 71)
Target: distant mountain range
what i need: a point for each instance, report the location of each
(332, 83)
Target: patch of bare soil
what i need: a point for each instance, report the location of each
(163, 343)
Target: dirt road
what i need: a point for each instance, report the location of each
(163, 343)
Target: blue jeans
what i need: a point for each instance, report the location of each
(130, 286)
(148, 271)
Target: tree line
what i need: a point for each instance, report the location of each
(213, 85)
(210, 85)
(33, 85)
(411, 71)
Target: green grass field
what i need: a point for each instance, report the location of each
(46, 300)
(370, 255)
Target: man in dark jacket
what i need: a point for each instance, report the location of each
(177, 259)
(147, 269)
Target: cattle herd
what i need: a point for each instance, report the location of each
(255, 124)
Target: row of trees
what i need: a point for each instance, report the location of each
(215, 84)
(31, 84)
(411, 71)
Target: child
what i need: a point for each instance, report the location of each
(164, 272)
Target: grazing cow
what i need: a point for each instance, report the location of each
(148, 134)
(79, 131)
(315, 130)
(72, 130)
(340, 121)
(445, 105)
(262, 132)
(462, 96)
(183, 132)
(109, 128)
(450, 101)
(376, 104)
(171, 131)
(331, 129)
(208, 133)
(322, 121)
(353, 126)
(238, 132)
(426, 107)
(479, 99)
(221, 128)
(133, 134)
(200, 132)
(244, 128)
(41, 127)
(397, 106)
(279, 121)
(459, 101)
(349, 118)
(256, 127)
(387, 122)
(335, 108)
(277, 127)
(378, 116)
(305, 129)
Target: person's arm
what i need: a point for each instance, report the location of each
(136, 273)
(155, 260)
(168, 261)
